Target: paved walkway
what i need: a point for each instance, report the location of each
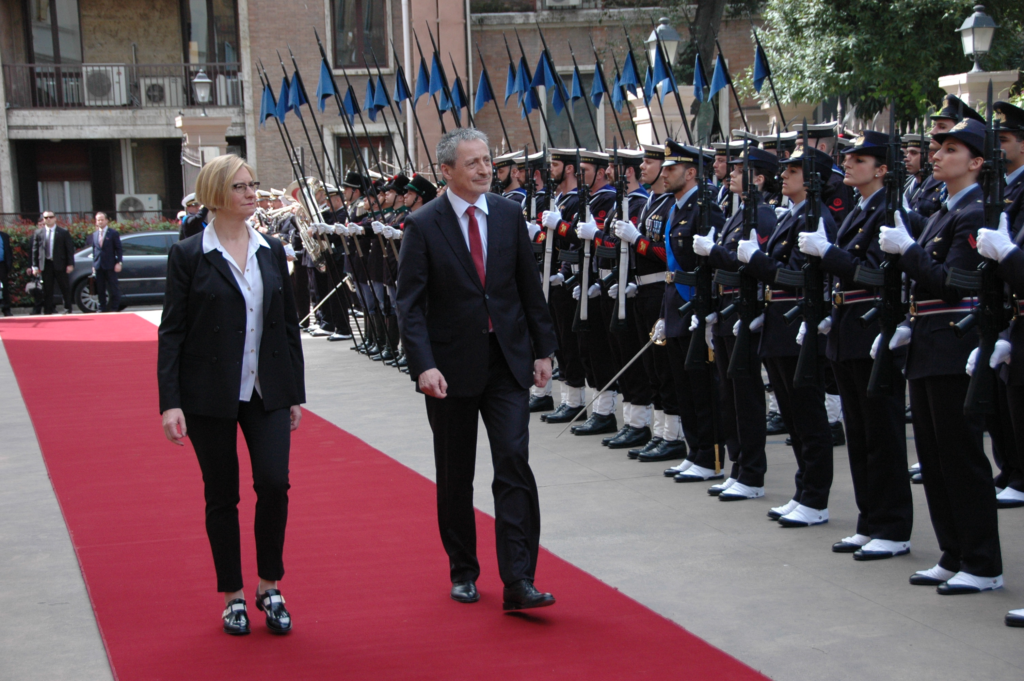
(777, 599)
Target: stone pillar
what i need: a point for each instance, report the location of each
(205, 139)
(973, 87)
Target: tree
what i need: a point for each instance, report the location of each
(869, 52)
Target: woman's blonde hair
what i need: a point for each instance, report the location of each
(216, 177)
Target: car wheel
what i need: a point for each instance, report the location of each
(87, 302)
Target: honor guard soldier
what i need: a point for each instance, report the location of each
(334, 213)
(957, 473)
(724, 152)
(915, 156)
(1011, 138)
(932, 193)
(743, 395)
(802, 408)
(508, 177)
(836, 195)
(875, 424)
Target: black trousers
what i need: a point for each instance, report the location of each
(877, 444)
(647, 306)
(1004, 440)
(1015, 406)
(268, 437)
(624, 343)
(570, 364)
(300, 289)
(51, 274)
(695, 391)
(803, 411)
(957, 476)
(743, 402)
(595, 349)
(107, 279)
(505, 409)
(5, 285)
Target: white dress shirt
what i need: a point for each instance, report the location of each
(250, 283)
(460, 205)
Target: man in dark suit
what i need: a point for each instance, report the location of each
(477, 334)
(53, 256)
(106, 262)
(6, 264)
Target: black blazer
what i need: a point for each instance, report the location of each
(63, 248)
(107, 256)
(202, 333)
(443, 308)
(8, 262)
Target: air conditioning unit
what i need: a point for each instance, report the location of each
(105, 85)
(137, 206)
(561, 4)
(161, 91)
(229, 91)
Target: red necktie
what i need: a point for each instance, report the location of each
(476, 250)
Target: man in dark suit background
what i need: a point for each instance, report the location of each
(53, 256)
(106, 262)
(477, 334)
(6, 264)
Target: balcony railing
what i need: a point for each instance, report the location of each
(120, 86)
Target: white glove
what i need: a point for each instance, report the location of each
(354, 229)
(630, 290)
(626, 231)
(1001, 352)
(576, 293)
(341, 229)
(694, 322)
(532, 229)
(557, 279)
(896, 239)
(377, 227)
(825, 325)
(613, 290)
(594, 291)
(900, 338)
(755, 325)
(289, 250)
(702, 245)
(551, 219)
(814, 243)
(658, 332)
(801, 333)
(972, 361)
(746, 248)
(709, 329)
(587, 230)
(995, 244)
(780, 211)
(388, 232)
(318, 228)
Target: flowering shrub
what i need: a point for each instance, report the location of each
(21, 240)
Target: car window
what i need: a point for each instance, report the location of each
(144, 244)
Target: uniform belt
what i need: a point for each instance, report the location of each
(840, 298)
(726, 290)
(925, 308)
(654, 278)
(780, 296)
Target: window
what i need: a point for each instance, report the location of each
(360, 32)
(210, 30)
(56, 36)
(148, 244)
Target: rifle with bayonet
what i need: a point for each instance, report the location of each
(891, 308)
(549, 233)
(582, 321)
(618, 321)
(701, 280)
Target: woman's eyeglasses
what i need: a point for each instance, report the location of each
(240, 187)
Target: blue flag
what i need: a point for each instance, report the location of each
(401, 91)
(351, 105)
(368, 101)
(630, 78)
(698, 79)
(483, 93)
(296, 96)
(761, 69)
(282, 100)
(720, 79)
(422, 85)
(577, 85)
(380, 97)
(511, 83)
(649, 86)
(436, 84)
(267, 106)
(597, 88)
(522, 79)
(324, 88)
(544, 75)
(458, 100)
(558, 102)
(617, 99)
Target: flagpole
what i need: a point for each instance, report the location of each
(586, 98)
(675, 88)
(487, 79)
(316, 124)
(636, 133)
(527, 117)
(305, 130)
(533, 90)
(650, 67)
(558, 84)
(604, 86)
(391, 107)
(469, 105)
(444, 78)
(437, 107)
(728, 78)
(415, 118)
(387, 128)
(771, 83)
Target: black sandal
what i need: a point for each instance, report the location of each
(236, 619)
(272, 602)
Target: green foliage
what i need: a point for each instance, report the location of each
(21, 238)
(869, 52)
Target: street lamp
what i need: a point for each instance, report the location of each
(669, 41)
(202, 85)
(976, 35)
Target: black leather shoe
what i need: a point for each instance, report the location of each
(465, 592)
(339, 336)
(541, 403)
(651, 445)
(666, 451)
(564, 414)
(402, 362)
(597, 424)
(522, 595)
(775, 424)
(236, 619)
(923, 580)
(635, 438)
(272, 603)
(626, 428)
(838, 434)
(844, 547)
(1014, 620)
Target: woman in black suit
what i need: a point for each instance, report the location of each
(230, 356)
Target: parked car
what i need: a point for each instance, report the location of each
(143, 271)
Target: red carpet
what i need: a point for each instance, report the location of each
(367, 577)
